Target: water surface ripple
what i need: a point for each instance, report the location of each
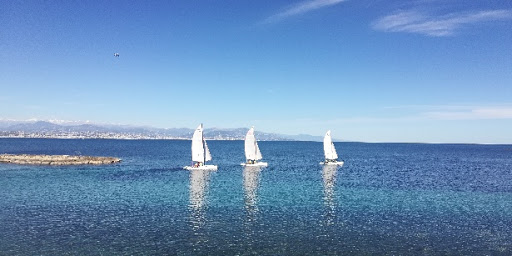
(388, 199)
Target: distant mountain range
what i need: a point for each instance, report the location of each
(48, 129)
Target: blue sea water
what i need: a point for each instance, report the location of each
(388, 199)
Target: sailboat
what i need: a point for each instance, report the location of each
(331, 157)
(252, 151)
(200, 152)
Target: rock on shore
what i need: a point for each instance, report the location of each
(57, 159)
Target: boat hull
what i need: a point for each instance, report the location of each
(333, 163)
(203, 167)
(260, 164)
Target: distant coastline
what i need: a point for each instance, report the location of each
(45, 129)
(232, 139)
(101, 136)
(21, 135)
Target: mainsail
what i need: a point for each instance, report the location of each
(252, 151)
(329, 150)
(197, 145)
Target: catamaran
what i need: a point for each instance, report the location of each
(200, 152)
(252, 151)
(331, 157)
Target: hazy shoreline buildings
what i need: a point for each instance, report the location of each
(101, 135)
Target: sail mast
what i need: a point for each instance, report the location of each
(206, 156)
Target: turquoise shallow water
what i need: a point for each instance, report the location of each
(391, 199)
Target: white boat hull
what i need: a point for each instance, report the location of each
(260, 164)
(340, 163)
(203, 167)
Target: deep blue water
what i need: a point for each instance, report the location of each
(389, 199)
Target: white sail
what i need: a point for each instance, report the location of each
(197, 145)
(329, 150)
(252, 151)
(207, 155)
(258, 152)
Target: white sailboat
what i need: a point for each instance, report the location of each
(200, 152)
(331, 157)
(252, 151)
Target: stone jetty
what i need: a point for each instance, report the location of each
(57, 159)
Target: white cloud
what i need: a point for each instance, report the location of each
(414, 22)
(418, 113)
(301, 8)
(457, 112)
(478, 113)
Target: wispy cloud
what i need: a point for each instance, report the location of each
(301, 8)
(472, 114)
(414, 22)
(421, 113)
(458, 112)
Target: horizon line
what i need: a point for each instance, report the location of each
(335, 141)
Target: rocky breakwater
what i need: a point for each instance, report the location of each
(57, 159)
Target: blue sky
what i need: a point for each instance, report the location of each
(375, 71)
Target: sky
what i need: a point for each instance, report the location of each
(435, 71)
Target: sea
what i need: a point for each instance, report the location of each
(387, 199)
